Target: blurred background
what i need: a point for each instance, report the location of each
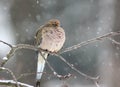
(82, 20)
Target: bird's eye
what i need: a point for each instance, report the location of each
(54, 24)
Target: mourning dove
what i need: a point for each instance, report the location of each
(49, 37)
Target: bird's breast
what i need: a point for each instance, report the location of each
(53, 40)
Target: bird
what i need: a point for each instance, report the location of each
(49, 37)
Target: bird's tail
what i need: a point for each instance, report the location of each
(40, 67)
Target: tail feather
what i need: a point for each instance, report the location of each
(37, 84)
(40, 66)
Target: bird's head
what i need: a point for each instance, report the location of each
(53, 23)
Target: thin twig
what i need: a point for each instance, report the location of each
(28, 74)
(94, 79)
(6, 43)
(72, 67)
(96, 83)
(26, 46)
(90, 41)
(114, 41)
(54, 72)
(15, 48)
(13, 83)
(25, 74)
(11, 73)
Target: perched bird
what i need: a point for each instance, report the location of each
(49, 37)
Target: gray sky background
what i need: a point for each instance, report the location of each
(82, 20)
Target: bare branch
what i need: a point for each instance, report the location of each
(114, 41)
(54, 72)
(48, 64)
(15, 48)
(94, 79)
(26, 46)
(25, 74)
(6, 43)
(96, 83)
(31, 47)
(28, 74)
(90, 41)
(11, 73)
(72, 67)
(13, 83)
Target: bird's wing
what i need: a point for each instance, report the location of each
(38, 36)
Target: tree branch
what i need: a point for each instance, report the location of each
(11, 73)
(72, 67)
(14, 48)
(13, 83)
(114, 41)
(54, 72)
(6, 44)
(89, 41)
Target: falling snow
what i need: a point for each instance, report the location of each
(38, 17)
(94, 17)
(118, 48)
(37, 1)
